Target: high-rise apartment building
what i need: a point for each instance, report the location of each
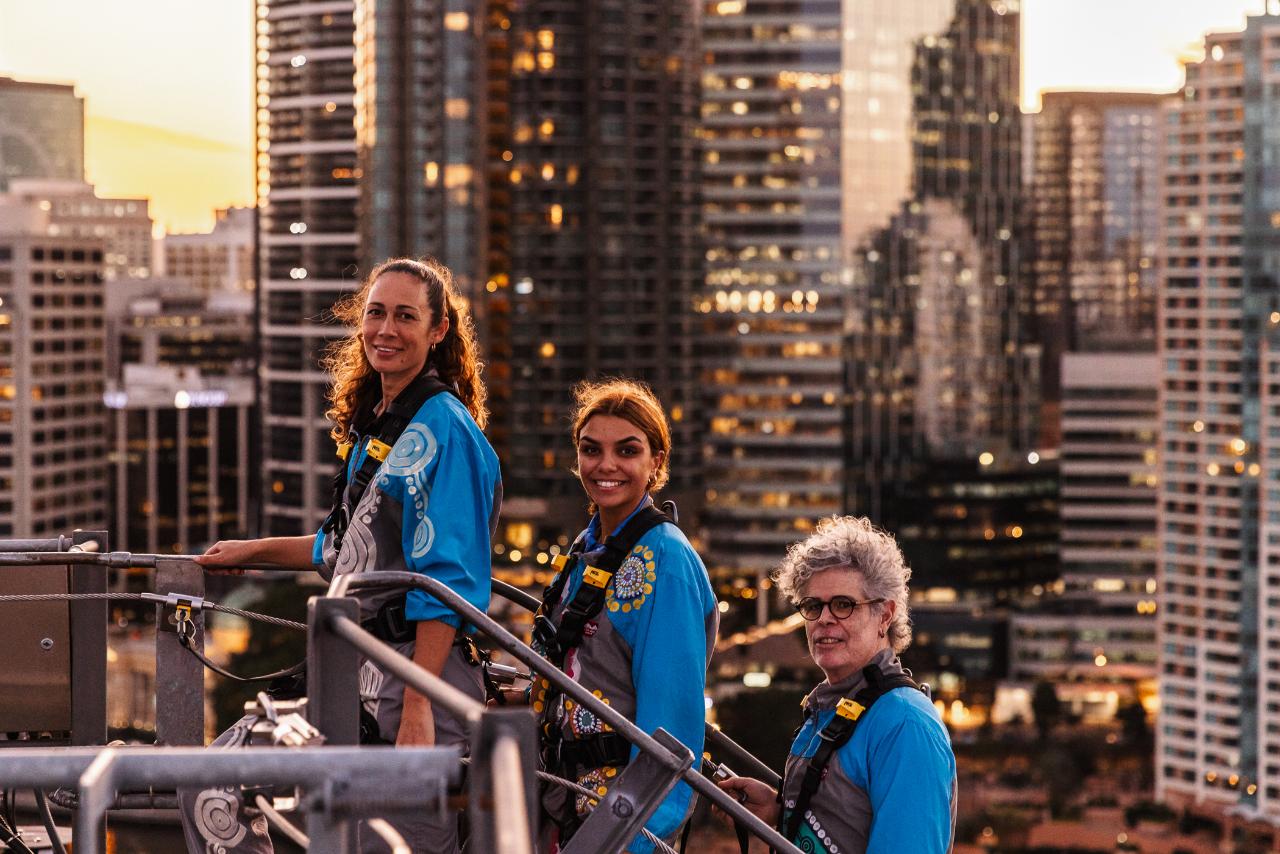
(420, 120)
(605, 239)
(308, 189)
(76, 210)
(1093, 631)
(53, 447)
(41, 131)
(861, 193)
(1094, 199)
(1219, 574)
(219, 260)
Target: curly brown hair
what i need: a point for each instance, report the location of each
(633, 401)
(456, 358)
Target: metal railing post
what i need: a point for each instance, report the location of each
(179, 674)
(88, 624)
(503, 782)
(97, 791)
(333, 672)
(632, 798)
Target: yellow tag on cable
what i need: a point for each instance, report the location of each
(596, 577)
(344, 449)
(850, 709)
(378, 450)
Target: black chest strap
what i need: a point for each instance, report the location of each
(835, 735)
(587, 602)
(383, 433)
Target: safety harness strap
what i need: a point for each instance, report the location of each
(587, 602)
(347, 492)
(835, 735)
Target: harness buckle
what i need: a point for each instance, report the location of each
(596, 577)
(850, 709)
(378, 450)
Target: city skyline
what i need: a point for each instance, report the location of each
(184, 139)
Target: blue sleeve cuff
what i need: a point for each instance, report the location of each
(420, 606)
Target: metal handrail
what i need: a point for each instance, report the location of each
(100, 772)
(622, 725)
(438, 691)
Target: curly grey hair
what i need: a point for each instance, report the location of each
(852, 542)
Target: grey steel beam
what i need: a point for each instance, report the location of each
(179, 674)
(88, 624)
(333, 672)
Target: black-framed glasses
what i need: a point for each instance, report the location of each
(841, 606)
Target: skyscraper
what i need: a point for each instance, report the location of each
(605, 243)
(41, 131)
(420, 132)
(307, 240)
(1094, 201)
(862, 186)
(1220, 590)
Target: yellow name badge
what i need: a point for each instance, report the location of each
(595, 577)
(850, 709)
(378, 450)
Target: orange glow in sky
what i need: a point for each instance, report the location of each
(168, 83)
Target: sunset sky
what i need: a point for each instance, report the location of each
(168, 83)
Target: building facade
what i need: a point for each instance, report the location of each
(862, 179)
(53, 447)
(76, 210)
(1217, 745)
(41, 132)
(605, 253)
(307, 238)
(221, 260)
(1094, 199)
(420, 118)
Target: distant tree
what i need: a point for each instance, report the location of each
(1046, 707)
(1133, 721)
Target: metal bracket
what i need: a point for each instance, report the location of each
(632, 799)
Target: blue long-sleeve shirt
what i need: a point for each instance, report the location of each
(891, 788)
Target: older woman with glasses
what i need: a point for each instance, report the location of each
(871, 768)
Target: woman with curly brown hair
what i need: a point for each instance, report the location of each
(425, 501)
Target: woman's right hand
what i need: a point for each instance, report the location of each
(758, 797)
(224, 556)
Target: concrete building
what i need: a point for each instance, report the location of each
(308, 189)
(1219, 575)
(221, 260)
(41, 131)
(605, 242)
(180, 396)
(53, 469)
(420, 119)
(75, 209)
(1094, 200)
(861, 190)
